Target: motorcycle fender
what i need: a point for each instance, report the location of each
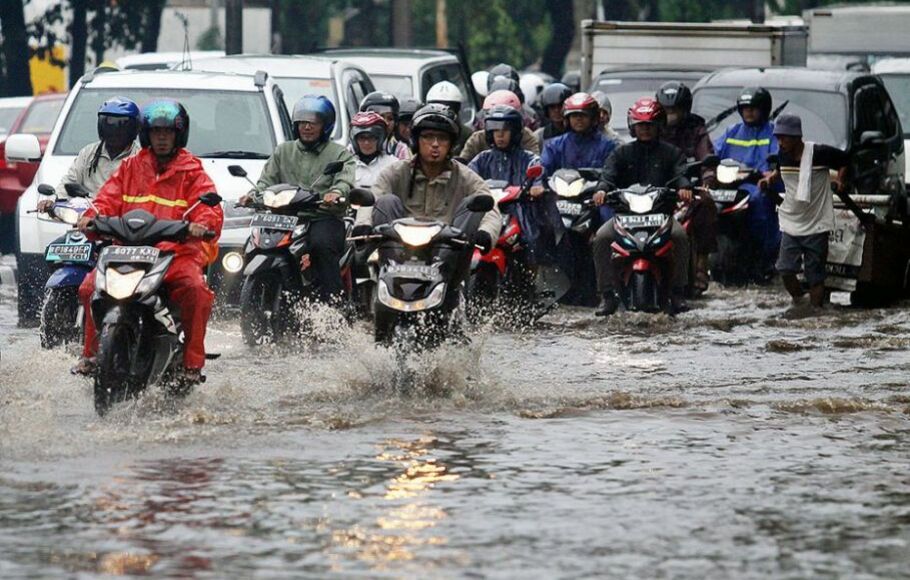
(119, 313)
(495, 257)
(262, 262)
(66, 276)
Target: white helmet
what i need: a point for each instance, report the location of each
(532, 84)
(445, 93)
(479, 80)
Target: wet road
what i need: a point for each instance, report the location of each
(743, 439)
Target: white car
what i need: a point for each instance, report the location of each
(10, 108)
(234, 119)
(343, 83)
(895, 73)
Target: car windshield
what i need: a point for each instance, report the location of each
(898, 86)
(400, 86)
(296, 87)
(220, 121)
(624, 92)
(824, 114)
(8, 117)
(41, 117)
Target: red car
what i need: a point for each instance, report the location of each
(38, 119)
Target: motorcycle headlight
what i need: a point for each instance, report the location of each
(567, 188)
(727, 173)
(416, 236)
(67, 214)
(120, 286)
(640, 203)
(279, 199)
(232, 262)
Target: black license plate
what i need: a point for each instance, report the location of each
(69, 253)
(273, 221)
(131, 254)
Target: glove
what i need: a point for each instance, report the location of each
(361, 230)
(484, 240)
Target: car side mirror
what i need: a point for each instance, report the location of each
(869, 139)
(237, 171)
(45, 189)
(76, 190)
(22, 148)
(210, 199)
(361, 197)
(534, 172)
(480, 203)
(333, 168)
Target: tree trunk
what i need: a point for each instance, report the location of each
(78, 36)
(15, 49)
(617, 10)
(98, 25)
(562, 17)
(401, 23)
(152, 28)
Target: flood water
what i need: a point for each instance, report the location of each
(741, 440)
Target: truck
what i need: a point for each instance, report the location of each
(662, 45)
(845, 36)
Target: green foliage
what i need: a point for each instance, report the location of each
(211, 39)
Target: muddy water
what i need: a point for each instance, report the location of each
(743, 439)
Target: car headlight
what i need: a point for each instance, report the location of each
(416, 236)
(727, 173)
(120, 286)
(232, 262)
(279, 199)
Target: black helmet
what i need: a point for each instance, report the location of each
(555, 95)
(675, 94)
(503, 117)
(507, 84)
(757, 97)
(502, 70)
(380, 102)
(407, 109)
(166, 113)
(572, 79)
(434, 117)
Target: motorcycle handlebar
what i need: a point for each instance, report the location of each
(209, 235)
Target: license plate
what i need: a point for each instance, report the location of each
(69, 253)
(649, 220)
(416, 271)
(724, 195)
(569, 207)
(131, 254)
(273, 221)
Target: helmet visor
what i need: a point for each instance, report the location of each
(381, 109)
(311, 117)
(496, 124)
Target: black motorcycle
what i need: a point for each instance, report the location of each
(141, 341)
(277, 276)
(737, 260)
(419, 297)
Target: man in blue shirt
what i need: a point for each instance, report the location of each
(751, 142)
(585, 145)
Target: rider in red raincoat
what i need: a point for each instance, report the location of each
(164, 179)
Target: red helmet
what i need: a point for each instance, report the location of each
(369, 123)
(501, 97)
(646, 110)
(581, 103)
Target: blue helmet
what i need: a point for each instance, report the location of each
(311, 107)
(165, 113)
(118, 113)
(503, 117)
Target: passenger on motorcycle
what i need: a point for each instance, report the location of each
(386, 106)
(405, 114)
(751, 142)
(478, 141)
(446, 93)
(368, 137)
(551, 101)
(164, 179)
(648, 161)
(118, 126)
(302, 162)
(606, 114)
(688, 132)
(585, 145)
(432, 185)
(508, 161)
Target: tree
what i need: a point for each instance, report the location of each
(16, 74)
(562, 18)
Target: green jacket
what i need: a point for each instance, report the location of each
(292, 163)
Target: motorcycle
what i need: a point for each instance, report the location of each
(70, 258)
(575, 188)
(643, 250)
(141, 340)
(737, 260)
(417, 296)
(504, 272)
(277, 274)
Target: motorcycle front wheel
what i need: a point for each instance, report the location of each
(258, 299)
(58, 317)
(116, 378)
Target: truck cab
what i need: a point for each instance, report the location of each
(853, 111)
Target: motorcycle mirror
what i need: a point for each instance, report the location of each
(871, 138)
(362, 197)
(534, 172)
(590, 173)
(333, 168)
(480, 203)
(711, 161)
(773, 161)
(237, 171)
(76, 190)
(45, 189)
(210, 199)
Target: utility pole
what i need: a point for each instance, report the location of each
(401, 23)
(442, 25)
(233, 26)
